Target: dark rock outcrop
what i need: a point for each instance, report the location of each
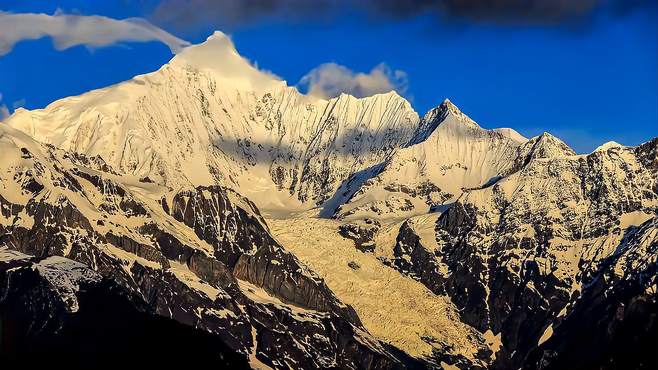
(232, 228)
(111, 326)
(614, 322)
(362, 233)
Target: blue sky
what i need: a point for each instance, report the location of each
(586, 81)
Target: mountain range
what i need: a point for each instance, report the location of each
(218, 210)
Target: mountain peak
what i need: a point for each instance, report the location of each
(607, 146)
(444, 115)
(217, 35)
(219, 56)
(547, 146)
(449, 106)
(391, 93)
(546, 138)
(440, 112)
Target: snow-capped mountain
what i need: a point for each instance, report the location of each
(197, 121)
(299, 232)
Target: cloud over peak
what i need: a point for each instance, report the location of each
(68, 30)
(330, 80)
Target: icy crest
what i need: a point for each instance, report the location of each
(218, 56)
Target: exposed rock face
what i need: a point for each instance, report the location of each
(362, 233)
(412, 258)
(621, 295)
(280, 273)
(223, 219)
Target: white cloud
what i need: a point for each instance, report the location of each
(67, 30)
(330, 80)
(4, 112)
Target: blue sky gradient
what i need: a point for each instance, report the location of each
(586, 83)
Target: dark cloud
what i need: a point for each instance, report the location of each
(508, 11)
(231, 13)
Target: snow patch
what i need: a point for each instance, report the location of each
(548, 333)
(7, 254)
(608, 145)
(66, 277)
